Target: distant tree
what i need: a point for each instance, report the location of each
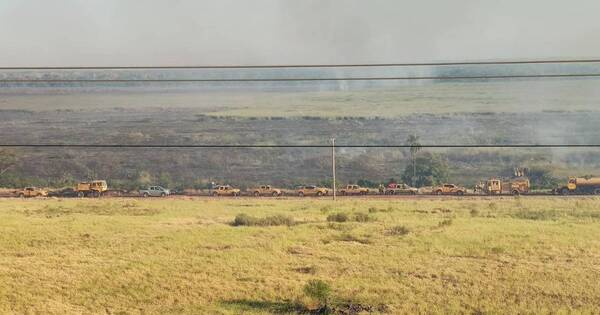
(415, 147)
(8, 159)
(431, 169)
(541, 177)
(366, 183)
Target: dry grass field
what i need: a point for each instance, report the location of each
(133, 256)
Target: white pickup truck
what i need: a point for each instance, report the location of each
(155, 191)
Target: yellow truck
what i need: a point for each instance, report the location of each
(495, 186)
(580, 186)
(28, 192)
(93, 188)
(354, 190)
(266, 190)
(225, 190)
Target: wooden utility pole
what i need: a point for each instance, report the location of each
(333, 164)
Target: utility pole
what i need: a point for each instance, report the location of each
(333, 164)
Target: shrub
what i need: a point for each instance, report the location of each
(537, 215)
(446, 222)
(474, 212)
(398, 230)
(319, 291)
(347, 237)
(246, 220)
(338, 217)
(362, 217)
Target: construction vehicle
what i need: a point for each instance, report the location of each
(225, 190)
(449, 189)
(354, 190)
(93, 188)
(266, 190)
(312, 191)
(155, 191)
(400, 189)
(28, 192)
(495, 186)
(580, 186)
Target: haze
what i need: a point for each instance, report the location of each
(111, 32)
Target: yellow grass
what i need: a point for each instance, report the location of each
(490, 255)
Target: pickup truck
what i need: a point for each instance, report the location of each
(312, 191)
(155, 191)
(266, 190)
(400, 189)
(31, 192)
(449, 189)
(225, 190)
(354, 190)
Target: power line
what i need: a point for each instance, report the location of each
(477, 77)
(233, 146)
(416, 64)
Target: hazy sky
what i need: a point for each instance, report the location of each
(184, 32)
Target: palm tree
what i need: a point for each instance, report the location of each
(415, 147)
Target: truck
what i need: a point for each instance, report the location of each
(449, 189)
(495, 186)
(266, 190)
(400, 189)
(312, 191)
(225, 190)
(354, 190)
(155, 191)
(31, 192)
(580, 186)
(93, 188)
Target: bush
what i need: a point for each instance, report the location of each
(344, 217)
(338, 217)
(474, 212)
(246, 220)
(362, 217)
(398, 230)
(319, 291)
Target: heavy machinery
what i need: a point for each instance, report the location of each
(580, 186)
(495, 186)
(225, 190)
(31, 192)
(400, 189)
(449, 189)
(354, 190)
(93, 188)
(312, 191)
(266, 190)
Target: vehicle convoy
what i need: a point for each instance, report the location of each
(449, 189)
(580, 186)
(155, 191)
(31, 192)
(266, 190)
(496, 186)
(400, 189)
(225, 190)
(312, 191)
(354, 190)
